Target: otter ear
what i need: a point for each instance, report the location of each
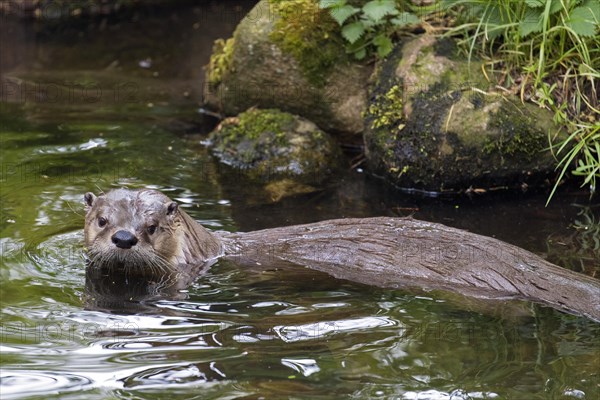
(89, 198)
(172, 208)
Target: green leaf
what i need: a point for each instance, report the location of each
(360, 53)
(535, 3)
(332, 3)
(405, 18)
(377, 9)
(555, 6)
(493, 16)
(582, 21)
(594, 7)
(494, 23)
(532, 22)
(383, 44)
(352, 32)
(494, 31)
(370, 23)
(446, 4)
(341, 14)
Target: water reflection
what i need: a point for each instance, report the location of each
(133, 291)
(186, 374)
(17, 383)
(326, 329)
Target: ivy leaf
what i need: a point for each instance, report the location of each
(352, 32)
(405, 18)
(384, 45)
(332, 3)
(341, 14)
(582, 21)
(377, 9)
(532, 22)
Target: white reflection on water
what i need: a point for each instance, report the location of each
(305, 366)
(89, 145)
(321, 329)
(455, 395)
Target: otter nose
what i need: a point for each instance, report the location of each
(124, 239)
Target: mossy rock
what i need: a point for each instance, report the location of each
(289, 55)
(271, 146)
(435, 123)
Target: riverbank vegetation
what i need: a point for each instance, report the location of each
(545, 51)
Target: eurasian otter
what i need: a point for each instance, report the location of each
(143, 230)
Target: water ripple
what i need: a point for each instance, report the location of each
(187, 374)
(322, 329)
(306, 366)
(20, 383)
(75, 149)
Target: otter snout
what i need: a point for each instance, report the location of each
(124, 239)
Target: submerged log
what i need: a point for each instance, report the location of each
(404, 253)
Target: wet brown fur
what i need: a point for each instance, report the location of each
(387, 252)
(178, 240)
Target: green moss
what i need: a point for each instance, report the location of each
(425, 68)
(254, 123)
(399, 172)
(385, 116)
(516, 135)
(386, 109)
(515, 143)
(270, 143)
(247, 138)
(220, 60)
(310, 35)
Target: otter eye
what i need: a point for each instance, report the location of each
(151, 229)
(102, 222)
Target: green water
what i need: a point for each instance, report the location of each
(274, 332)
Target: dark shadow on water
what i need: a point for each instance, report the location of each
(118, 291)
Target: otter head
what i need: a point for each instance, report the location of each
(132, 229)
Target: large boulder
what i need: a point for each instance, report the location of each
(435, 123)
(289, 55)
